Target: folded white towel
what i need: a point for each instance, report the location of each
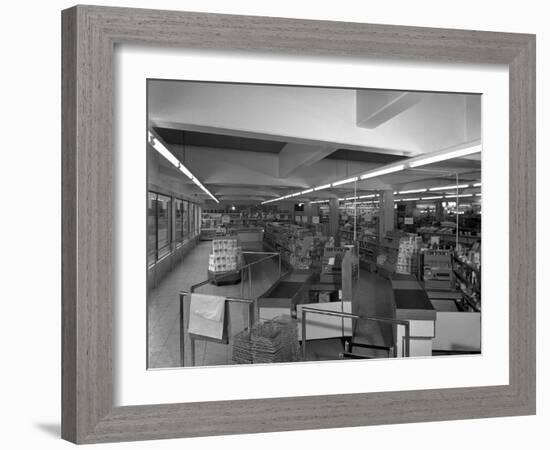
(207, 315)
(210, 307)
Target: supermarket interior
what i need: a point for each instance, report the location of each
(293, 223)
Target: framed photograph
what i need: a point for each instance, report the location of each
(276, 224)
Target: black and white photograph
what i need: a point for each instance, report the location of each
(293, 224)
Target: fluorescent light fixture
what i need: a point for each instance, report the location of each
(295, 194)
(159, 147)
(377, 173)
(324, 186)
(478, 195)
(346, 181)
(319, 201)
(459, 196)
(368, 196)
(435, 197)
(443, 156)
(453, 186)
(410, 199)
(413, 191)
(307, 191)
(155, 143)
(476, 184)
(352, 198)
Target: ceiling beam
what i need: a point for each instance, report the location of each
(296, 156)
(375, 108)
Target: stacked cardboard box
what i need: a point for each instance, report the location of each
(225, 256)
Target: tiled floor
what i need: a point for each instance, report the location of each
(372, 296)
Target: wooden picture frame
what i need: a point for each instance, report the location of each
(89, 37)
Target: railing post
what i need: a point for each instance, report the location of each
(250, 281)
(304, 334)
(407, 341)
(182, 340)
(242, 281)
(279, 265)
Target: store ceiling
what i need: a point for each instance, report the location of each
(249, 142)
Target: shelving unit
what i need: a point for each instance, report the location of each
(469, 281)
(449, 236)
(295, 243)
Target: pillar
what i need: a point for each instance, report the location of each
(386, 214)
(307, 211)
(438, 211)
(334, 220)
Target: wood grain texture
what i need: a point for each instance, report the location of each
(89, 36)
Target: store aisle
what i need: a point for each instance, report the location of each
(163, 306)
(163, 309)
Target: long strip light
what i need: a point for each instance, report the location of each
(412, 191)
(443, 156)
(451, 196)
(411, 163)
(442, 188)
(435, 197)
(324, 186)
(377, 173)
(159, 147)
(346, 181)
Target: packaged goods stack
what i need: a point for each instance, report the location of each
(407, 255)
(295, 243)
(225, 256)
(388, 249)
(300, 248)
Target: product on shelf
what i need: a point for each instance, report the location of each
(407, 255)
(298, 246)
(437, 271)
(467, 269)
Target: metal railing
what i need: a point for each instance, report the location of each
(250, 301)
(248, 268)
(182, 295)
(343, 315)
